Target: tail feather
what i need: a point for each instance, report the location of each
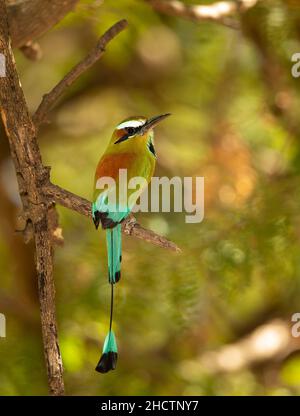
(112, 225)
(108, 360)
(114, 253)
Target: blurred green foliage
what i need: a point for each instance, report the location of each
(235, 110)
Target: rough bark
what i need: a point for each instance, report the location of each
(28, 19)
(31, 174)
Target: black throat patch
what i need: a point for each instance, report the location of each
(151, 148)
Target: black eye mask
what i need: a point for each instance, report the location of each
(130, 131)
(148, 124)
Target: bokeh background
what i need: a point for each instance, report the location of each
(215, 320)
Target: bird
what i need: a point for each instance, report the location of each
(131, 147)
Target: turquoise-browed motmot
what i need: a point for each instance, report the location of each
(132, 148)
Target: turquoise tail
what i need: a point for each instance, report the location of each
(109, 357)
(114, 253)
(108, 360)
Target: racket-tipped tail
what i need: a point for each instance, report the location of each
(109, 357)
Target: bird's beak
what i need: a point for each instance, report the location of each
(153, 121)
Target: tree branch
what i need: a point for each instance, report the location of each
(26, 156)
(29, 19)
(220, 12)
(49, 100)
(131, 227)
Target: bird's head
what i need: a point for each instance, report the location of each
(133, 128)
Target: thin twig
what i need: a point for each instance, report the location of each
(49, 100)
(131, 227)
